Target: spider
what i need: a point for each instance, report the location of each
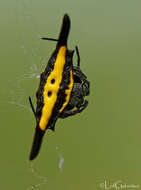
(62, 88)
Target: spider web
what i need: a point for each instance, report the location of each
(16, 91)
(23, 16)
(43, 179)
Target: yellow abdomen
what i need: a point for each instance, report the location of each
(51, 88)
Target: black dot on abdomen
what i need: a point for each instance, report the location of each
(52, 81)
(49, 93)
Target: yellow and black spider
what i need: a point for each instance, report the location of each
(61, 90)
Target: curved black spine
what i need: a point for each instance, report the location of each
(37, 141)
(63, 36)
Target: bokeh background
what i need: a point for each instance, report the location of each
(103, 142)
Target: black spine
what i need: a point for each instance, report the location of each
(36, 143)
(63, 36)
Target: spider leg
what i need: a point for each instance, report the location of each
(50, 39)
(32, 107)
(82, 106)
(78, 73)
(65, 114)
(78, 56)
(68, 113)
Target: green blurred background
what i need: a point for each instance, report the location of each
(103, 142)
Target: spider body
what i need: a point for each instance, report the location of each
(61, 90)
